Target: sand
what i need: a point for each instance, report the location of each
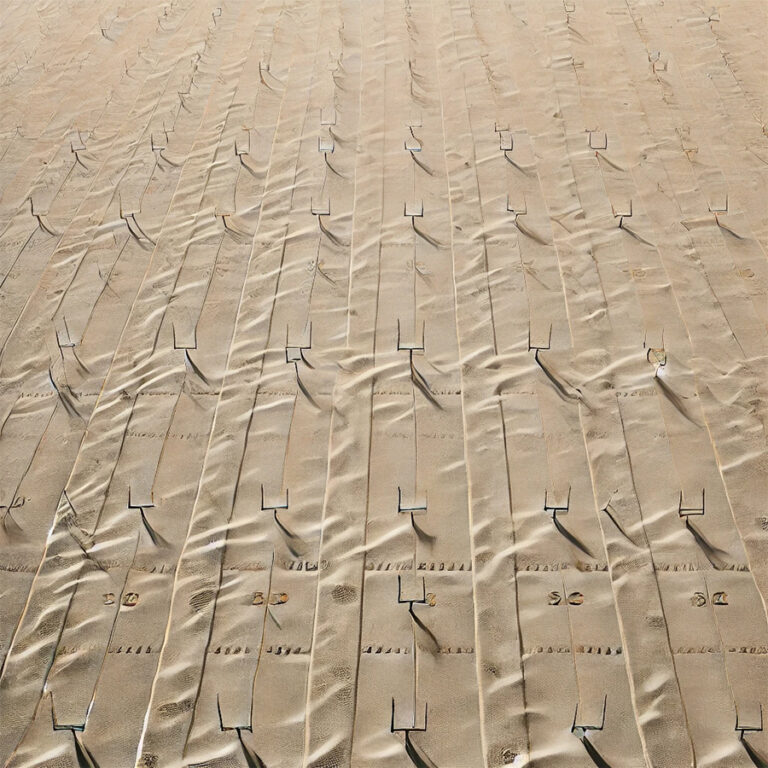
(383, 384)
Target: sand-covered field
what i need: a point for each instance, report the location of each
(383, 383)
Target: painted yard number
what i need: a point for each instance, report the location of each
(573, 598)
(276, 598)
(130, 599)
(700, 599)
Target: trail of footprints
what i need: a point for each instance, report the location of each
(382, 384)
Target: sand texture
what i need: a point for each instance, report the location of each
(383, 383)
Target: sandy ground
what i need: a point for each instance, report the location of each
(383, 383)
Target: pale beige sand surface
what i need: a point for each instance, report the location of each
(383, 383)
